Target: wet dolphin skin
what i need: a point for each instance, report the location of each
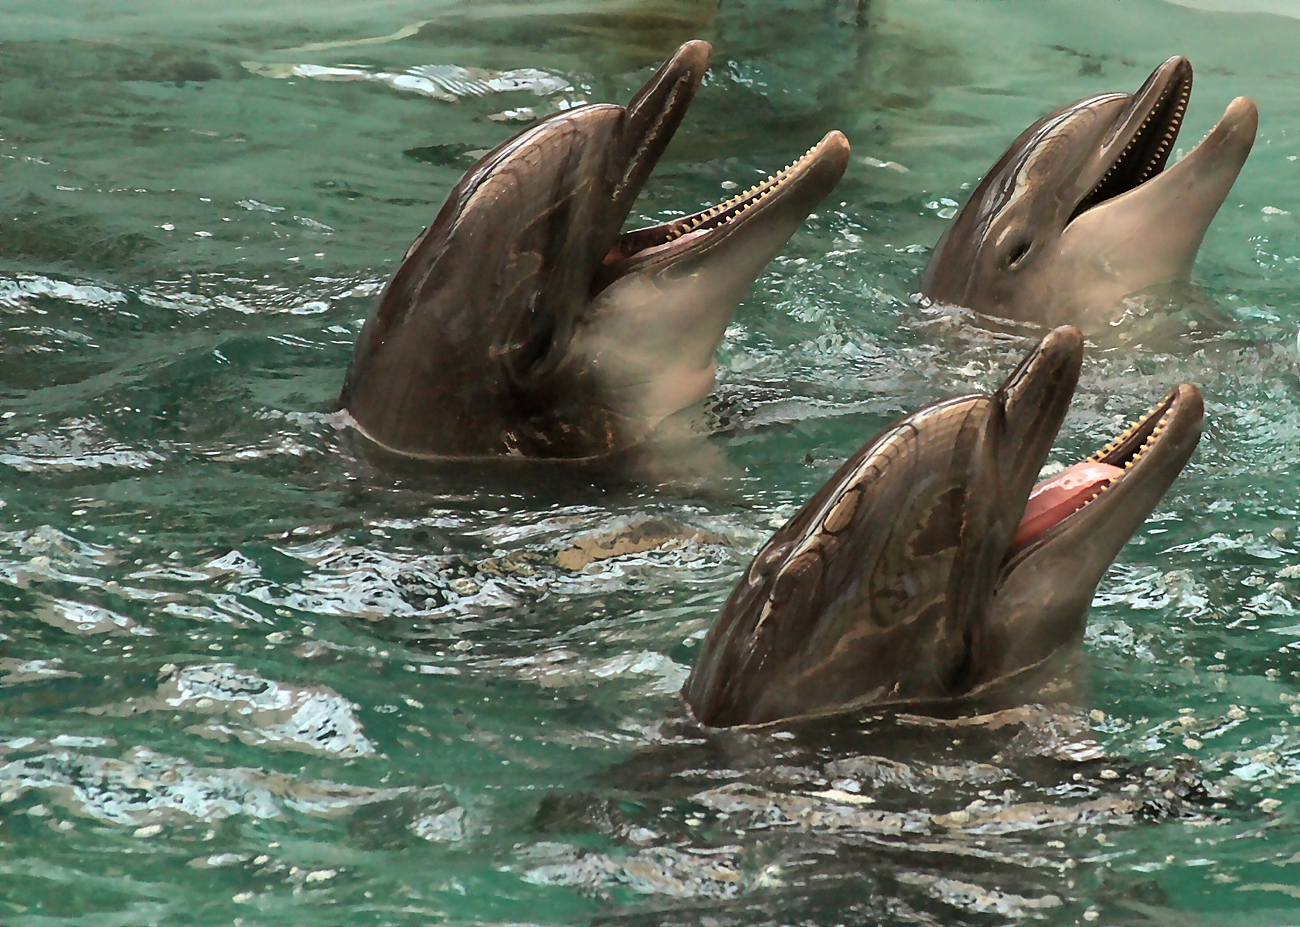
(523, 322)
(908, 577)
(1081, 211)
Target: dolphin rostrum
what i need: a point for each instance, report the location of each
(523, 322)
(1080, 211)
(929, 567)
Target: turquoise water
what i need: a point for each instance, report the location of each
(248, 678)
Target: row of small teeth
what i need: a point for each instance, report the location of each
(766, 187)
(1170, 133)
(1115, 443)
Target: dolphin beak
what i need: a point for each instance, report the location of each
(1035, 399)
(1163, 221)
(666, 294)
(653, 115)
(783, 200)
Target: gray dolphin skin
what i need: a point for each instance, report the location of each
(523, 322)
(1081, 211)
(903, 580)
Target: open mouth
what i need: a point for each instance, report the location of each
(1059, 497)
(742, 207)
(1151, 142)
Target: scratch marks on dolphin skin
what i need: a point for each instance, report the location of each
(841, 513)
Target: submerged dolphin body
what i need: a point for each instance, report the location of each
(524, 323)
(905, 578)
(1080, 211)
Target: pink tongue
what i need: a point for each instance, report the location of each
(1060, 496)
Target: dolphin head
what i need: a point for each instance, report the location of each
(1081, 211)
(524, 322)
(909, 577)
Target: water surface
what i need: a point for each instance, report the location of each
(251, 678)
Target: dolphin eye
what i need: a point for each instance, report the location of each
(1017, 252)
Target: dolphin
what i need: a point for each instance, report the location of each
(1081, 211)
(525, 323)
(929, 567)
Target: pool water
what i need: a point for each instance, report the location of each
(251, 677)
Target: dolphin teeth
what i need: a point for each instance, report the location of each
(1122, 175)
(723, 213)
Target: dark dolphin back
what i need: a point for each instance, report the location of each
(865, 593)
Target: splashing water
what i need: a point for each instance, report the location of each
(251, 679)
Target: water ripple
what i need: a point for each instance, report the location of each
(256, 711)
(144, 787)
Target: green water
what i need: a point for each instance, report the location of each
(248, 678)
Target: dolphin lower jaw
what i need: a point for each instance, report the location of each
(1151, 232)
(1216, 159)
(806, 181)
(650, 334)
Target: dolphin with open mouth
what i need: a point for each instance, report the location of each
(930, 567)
(524, 322)
(1081, 211)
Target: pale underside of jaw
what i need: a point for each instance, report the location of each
(1060, 496)
(652, 336)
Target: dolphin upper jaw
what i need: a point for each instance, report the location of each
(1138, 135)
(897, 583)
(1081, 211)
